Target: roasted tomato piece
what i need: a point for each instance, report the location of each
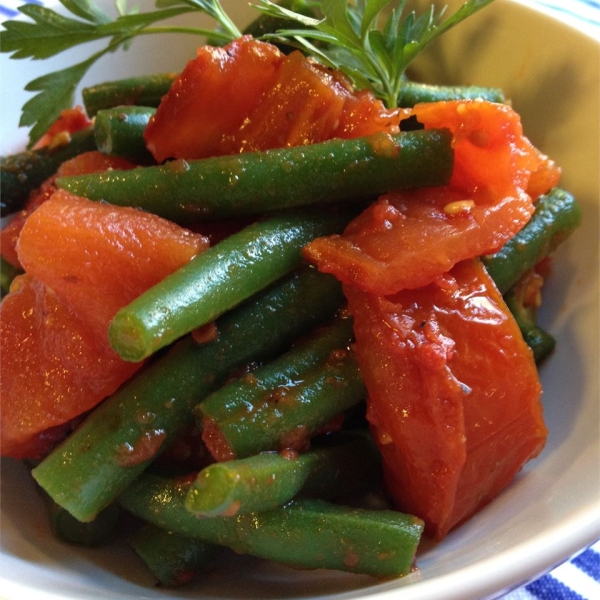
(211, 98)
(84, 261)
(70, 121)
(454, 394)
(410, 238)
(88, 162)
(407, 240)
(96, 246)
(491, 153)
(249, 97)
(53, 367)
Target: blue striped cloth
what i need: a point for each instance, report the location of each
(579, 577)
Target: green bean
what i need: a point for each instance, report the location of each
(120, 132)
(412, 93)
(259, 182)
(556, 216)
(7, 273)
(67, 528)
(25, 171)
(269, 480)
(289, 367)
(217, 280)
(126, 432)
(173, 559)
(289, 415)
(146, 90)
(304, 534)
(541, 342)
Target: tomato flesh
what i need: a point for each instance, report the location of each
(454, 396)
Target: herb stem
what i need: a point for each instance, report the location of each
(212, 33)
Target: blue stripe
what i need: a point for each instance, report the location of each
(8, 12)
(548, 588)
(589, 562)
(567, 11)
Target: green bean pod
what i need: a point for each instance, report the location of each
(289, 415)
(25, 171)
(412, 93)
(217, 280)
(557, 215)
(173, 559)
(7, 273)
(305, 533)
(261, 182)
(541, 342)
(269, 480)
(123, 435)
(285, 369)
(93, 533)
(145, 90)
(120, 132)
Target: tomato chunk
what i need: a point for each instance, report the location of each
(69, 121)
(119, 251)
(53, 367)
(211, 98)
(87, 162)
(84, 260)
(410, 238)
(249, 97)
(454, 395)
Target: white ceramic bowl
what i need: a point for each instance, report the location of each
(551, 73)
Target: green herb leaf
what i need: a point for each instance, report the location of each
(372, 56)
(349, 38)
(86, 10)
(49, 33)
(212, 8)
(130, 23)
(57, 91)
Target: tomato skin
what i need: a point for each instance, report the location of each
(303, 103)
(454, 396)
(272, 101)
(544, 178)
(409, 238)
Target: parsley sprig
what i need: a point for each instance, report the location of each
(50, 33)
(371, 41)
